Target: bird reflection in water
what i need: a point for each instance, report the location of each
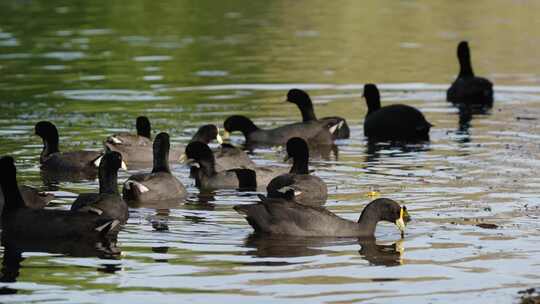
(14, 247)
(284, 247)
(466, 114)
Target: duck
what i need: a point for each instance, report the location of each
(305, 105)
(136, 149)
(308, 189)
(202, 159)
(396, 122)
(159, 184)
(108, 201)
(227, 156)
(40, 224)
(468, 89)
(32, 197)
(314, 132)
(284, 216)
(79, 163)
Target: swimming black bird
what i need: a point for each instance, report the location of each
(39, 224)
(304, 103)
(284, 216)
(159, 184)
(137, 148)
(206, 177)
(78, 163)
(468, 89)
(394, 122)
(314, 132)
(227, 156)
(308, 189)
(108, 201)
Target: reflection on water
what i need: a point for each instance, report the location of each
(93, 66)
(265, 246)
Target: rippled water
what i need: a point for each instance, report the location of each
(93, 66)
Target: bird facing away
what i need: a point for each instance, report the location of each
(394, 122)
(469, 89)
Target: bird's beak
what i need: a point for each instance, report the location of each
(124, 166)
(226, 135)
(401, 221)
(219, 139)
(183, 158)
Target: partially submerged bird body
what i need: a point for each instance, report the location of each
(203, 163)
(405, 123)
(393, 122)
(282, 216)
(317, 132)
(469, 89)
(23, 222)
(107, 202)
(305, 105)
(137, 148)
(64, 165)
(159, 184)
(307, 189)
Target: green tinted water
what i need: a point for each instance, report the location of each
(92, 66)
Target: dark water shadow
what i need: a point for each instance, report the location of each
(396, 149)
(14, 247)
(466, 115)
(264, 246)
(51, 178)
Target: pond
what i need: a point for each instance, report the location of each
(91, 67)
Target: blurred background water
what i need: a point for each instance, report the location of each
(92, 66)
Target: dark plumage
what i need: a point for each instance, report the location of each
(206, 176)
(38, 224)
(107, 202)
(79, 163)
(468, 89)
(284, 216)
(137, 148)
(304, 103)
(393, 122)
(308, 189)
(314, 132)
(227, 156)
(32, 197)
(160, 184)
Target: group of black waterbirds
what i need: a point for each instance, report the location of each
(294, 202)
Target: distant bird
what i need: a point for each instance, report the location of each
(304, 103)
(137, 148)
(203, 162)
(160, 184)
(314, 132)
(45, 224)
(394, 122)
(227, 156)
(284, 216)
(468, 89)
(308, 189)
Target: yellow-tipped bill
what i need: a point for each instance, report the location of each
(219, 139)
(182, 158)
(226, 135)
(400, 222)
(124, 165)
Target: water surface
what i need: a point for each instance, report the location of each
(92, 67)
